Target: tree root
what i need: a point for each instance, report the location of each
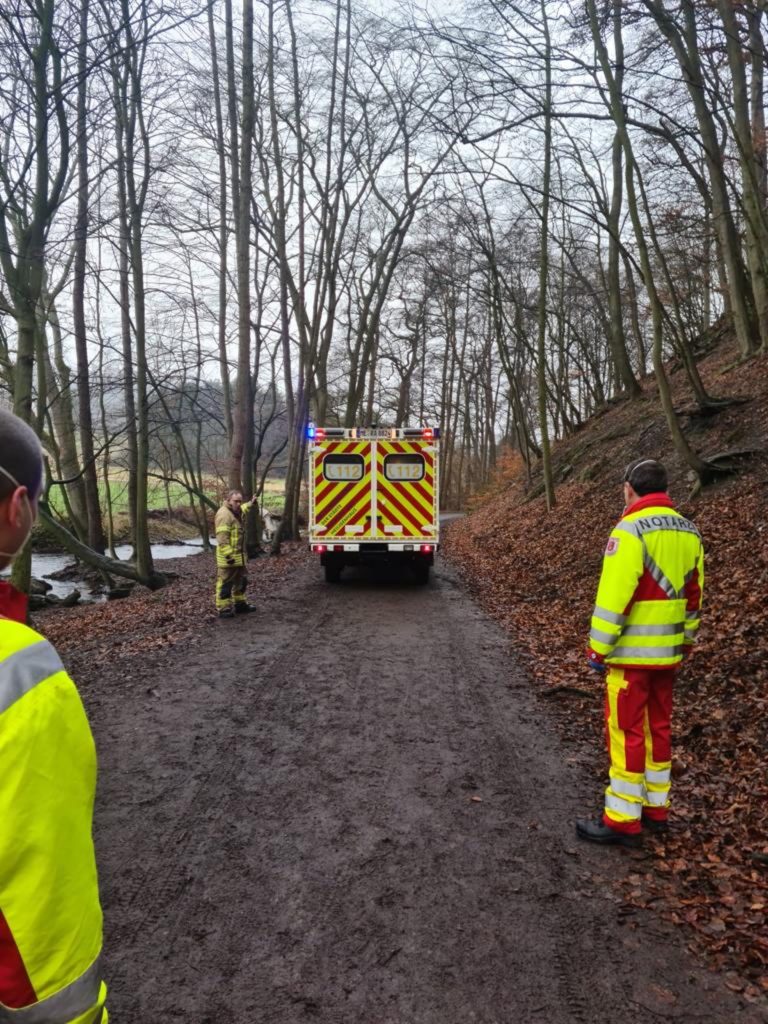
(727, 463)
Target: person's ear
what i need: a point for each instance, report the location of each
(18, 500)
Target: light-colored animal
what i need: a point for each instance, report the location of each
(271, 523)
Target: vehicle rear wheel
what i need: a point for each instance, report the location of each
(332, 572)
(421, 571)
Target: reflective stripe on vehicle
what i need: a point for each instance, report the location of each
(65, 1005)
(21, 671)
(607, 616)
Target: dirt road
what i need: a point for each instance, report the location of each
(349, 808)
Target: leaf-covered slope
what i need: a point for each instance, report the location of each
(537, 573)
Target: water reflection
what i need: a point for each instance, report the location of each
(46, 562)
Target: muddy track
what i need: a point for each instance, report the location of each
(349, 808)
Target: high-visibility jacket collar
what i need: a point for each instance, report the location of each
(657, 500)
(13, 604)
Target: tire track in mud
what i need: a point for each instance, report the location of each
(571, 1003)
(143, 900)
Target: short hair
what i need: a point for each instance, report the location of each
(232, 493)
(20, 455)
(646, 476)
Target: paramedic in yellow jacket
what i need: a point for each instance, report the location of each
(50, 917)
(231, 573)
(643, 625)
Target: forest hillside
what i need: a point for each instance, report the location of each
(537, 574)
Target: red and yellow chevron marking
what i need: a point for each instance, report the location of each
(343, 503)
(409, 504)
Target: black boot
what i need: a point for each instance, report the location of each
(656, 826)
(226, 613)
(598, 832)
(242, 608)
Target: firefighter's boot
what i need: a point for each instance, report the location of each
(598, 832)
(656, 826)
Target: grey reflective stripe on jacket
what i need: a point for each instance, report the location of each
(649, 629)
(602, 636)
(620, 651)
(661, 579)
(63, 1006)
(608, 616)
(649, 524)
(21, 671)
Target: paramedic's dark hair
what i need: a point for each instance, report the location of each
(646, 476)
(20, 454)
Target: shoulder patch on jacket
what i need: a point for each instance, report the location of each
(612, 546)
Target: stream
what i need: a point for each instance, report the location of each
(46, 562)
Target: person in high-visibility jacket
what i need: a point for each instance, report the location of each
(644, 623)
(231, 572)
(50, 915)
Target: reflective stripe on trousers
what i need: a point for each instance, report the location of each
(231, 584)
(638, 712)
(71, 1003)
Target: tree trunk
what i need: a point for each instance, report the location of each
(244, 401)
(226, 386)
(756, 229)
(96, 538)
(546, 459)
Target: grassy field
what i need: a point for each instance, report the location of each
(158, 498)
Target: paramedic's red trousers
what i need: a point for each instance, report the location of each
(638, 709)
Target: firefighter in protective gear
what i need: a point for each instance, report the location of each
(644, 623)
(50, 916)
(231, 573)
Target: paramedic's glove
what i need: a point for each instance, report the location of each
(595, 661)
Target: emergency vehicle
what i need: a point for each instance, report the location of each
(373, 495)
